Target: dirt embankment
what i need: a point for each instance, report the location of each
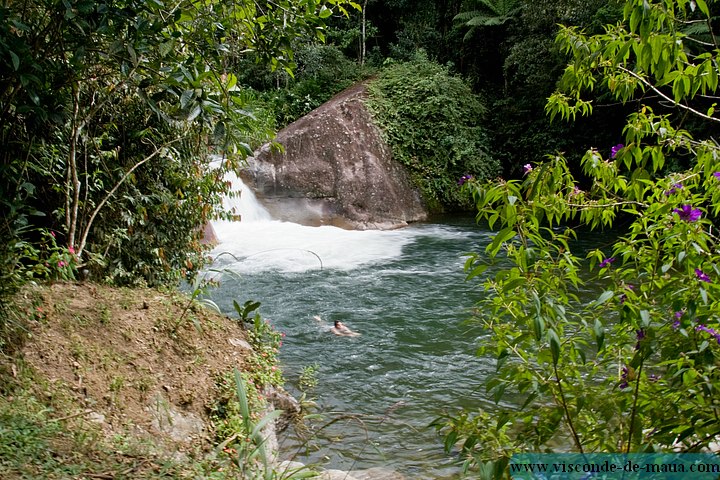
(129, 365)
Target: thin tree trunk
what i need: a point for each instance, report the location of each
(101, 204)
(362, 45)
(73, 181)
(72, 194)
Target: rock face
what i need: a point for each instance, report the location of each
(335, 170)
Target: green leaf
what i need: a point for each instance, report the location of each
(645, 317)
(681, 256)
(529, 400)
(502, 236)
(538, 327)
(498, 393)
(606, 295)
(186, 98)
(241, 394)
(324, 12)
(599, 334)
(231, 81)
(478, 270)
(704, 295)
(502, 419)
(703, 7)
(15, 60)
(554, 345)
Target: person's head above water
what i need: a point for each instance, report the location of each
(338, 323)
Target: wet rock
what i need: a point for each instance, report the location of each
(209, 237)
(335, 170)
(289, 467)
(377, 474)
(336, 475)
(279, 399)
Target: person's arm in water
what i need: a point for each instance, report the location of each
(342, 330)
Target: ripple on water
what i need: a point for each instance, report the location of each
(405, 291)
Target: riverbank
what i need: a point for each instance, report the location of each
(108, 383)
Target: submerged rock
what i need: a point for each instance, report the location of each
(288, 468)
(335, 170)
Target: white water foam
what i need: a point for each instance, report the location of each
(257, 243)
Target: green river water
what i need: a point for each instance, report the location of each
(405, 292)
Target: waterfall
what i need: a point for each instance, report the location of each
(259, 243)
(244, 202)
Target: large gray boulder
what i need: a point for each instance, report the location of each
(335, 170)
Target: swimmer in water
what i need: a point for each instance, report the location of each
(342, 330)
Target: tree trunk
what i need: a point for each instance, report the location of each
(362, 40)
(73, 187)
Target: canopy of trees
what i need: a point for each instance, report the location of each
(109, 113)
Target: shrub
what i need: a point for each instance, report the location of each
(322, 71)
(433, 124)
(636, 368)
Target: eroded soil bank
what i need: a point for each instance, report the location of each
(115, 383)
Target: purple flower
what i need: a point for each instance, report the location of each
(702, 276)
(688, 214)
(623, 297)
(678, 316)
(465, 178)
(674, 188)
(623, 378)
(710, 331)
(607, 262)
(639, 335)
(716, 175)
(614, 150)
(527, 168)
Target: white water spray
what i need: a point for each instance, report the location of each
(258, 243)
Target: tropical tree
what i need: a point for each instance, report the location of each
(487, 13)
(108, 112)
(636, 368)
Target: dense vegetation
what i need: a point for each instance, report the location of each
(636, 369)
(433, 124)
(111, 111)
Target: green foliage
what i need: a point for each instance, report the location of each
(308, 377)
(488, 13)
(635, 369)
(322, 71)
(266, 342)
(38, 443)
(432, 122)
(239, 424)
(247, 308)
(522, 72)
(109, 110)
